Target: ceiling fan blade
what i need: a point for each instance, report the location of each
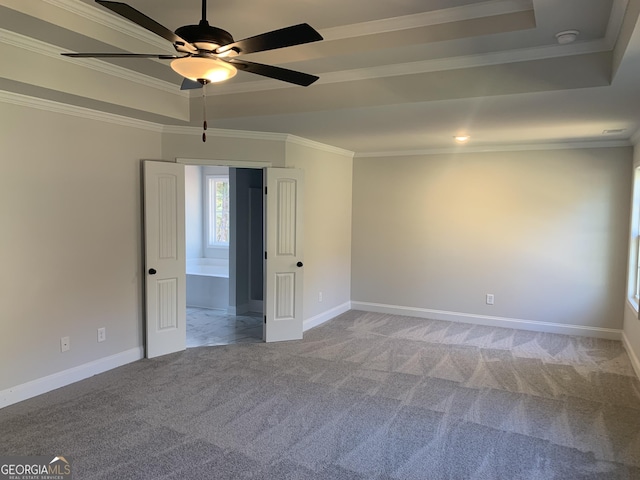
(285, 37)
(120, 55)
(188, 84)
(141, 19)
(278, 73)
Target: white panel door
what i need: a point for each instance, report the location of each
(164, 212)
(284, 259)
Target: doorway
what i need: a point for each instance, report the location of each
(224, 255)
(165, 254)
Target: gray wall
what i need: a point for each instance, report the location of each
(546, 232)
(71, 243)
(327, 227)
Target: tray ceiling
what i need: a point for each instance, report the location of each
(394, 75)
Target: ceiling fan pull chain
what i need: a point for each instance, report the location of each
(204, 110)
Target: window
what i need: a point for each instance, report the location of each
(217, 214)
(634, 254)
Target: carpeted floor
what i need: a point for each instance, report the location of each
(364, 396)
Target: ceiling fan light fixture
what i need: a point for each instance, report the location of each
(203, 68)
(461, 138)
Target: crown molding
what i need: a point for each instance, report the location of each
(250, 135)
(305, 142)
(618, 10)
(427, 66)
(455, 14)
(82, 112)
(425, 19)
(36, 46)
(221, 132)
(73, 110)
(109, 20)
(498, 148)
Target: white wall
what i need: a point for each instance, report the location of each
(631, 323)
(70, 248)
(327, 229)
(544, 231)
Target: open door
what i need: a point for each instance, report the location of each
(283, 254)
(164, 220)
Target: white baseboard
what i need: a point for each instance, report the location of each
(326, 316)
(548, 327)
(67, 377)
(633, 356)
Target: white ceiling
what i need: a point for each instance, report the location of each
(395, 75)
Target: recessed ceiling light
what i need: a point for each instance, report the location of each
(461, 138)
(567, 36)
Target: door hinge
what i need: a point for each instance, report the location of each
(265, 190)
(265, 319)
(265, 255)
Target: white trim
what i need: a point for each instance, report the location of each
(425, 19)
(633, 305)
(251, 135)
(74, 110)
(221, 132)
(323, 317)
(532, 325)
(499, 148)
(110, 20)
(61, 379)
(305, 142)
(51, 51)
(222, 163)
(616, 18)
(426, 66)
(635, 362)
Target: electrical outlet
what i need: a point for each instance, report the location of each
(65, 344)
(102, 334)
(490, 298)
(319, 296)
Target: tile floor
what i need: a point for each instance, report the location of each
(206, 327)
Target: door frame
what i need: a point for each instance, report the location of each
(255, 165)
(232, 164)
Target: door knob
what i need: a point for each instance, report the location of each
(152, 271)
(299, 264)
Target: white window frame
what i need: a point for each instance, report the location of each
(633, 280)
(210, 213)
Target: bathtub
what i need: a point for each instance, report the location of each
(208, 283)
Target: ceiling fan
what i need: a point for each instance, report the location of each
(209, 54)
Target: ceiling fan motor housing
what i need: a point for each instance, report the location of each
(203, 33)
